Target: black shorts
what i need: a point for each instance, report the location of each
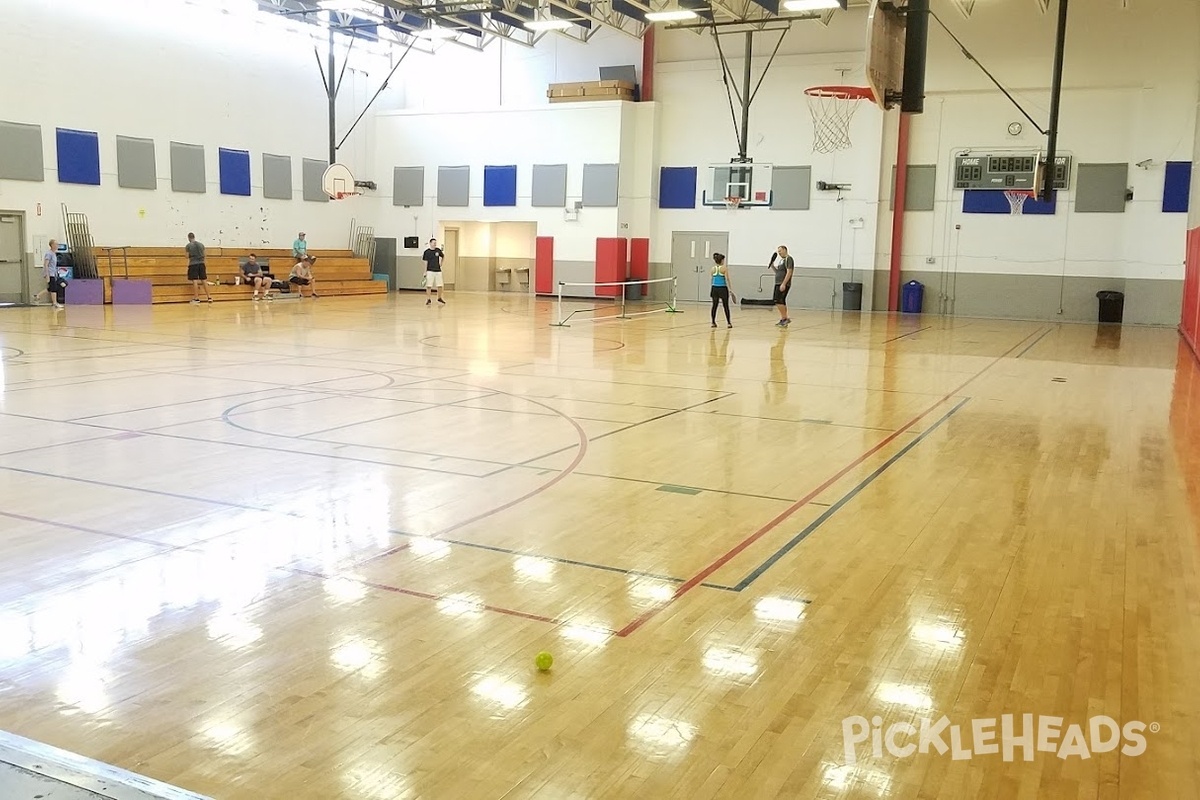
(52, 285)
(197, 272)
(719, 293)
(300, 281)
(780, 296)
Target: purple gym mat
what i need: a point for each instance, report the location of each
(131, 293)
(85, 292)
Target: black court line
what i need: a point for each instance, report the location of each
(905, 335)
(1034, 343)
(822, 423)
(628, 427)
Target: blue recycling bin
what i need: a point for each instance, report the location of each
(912, 296)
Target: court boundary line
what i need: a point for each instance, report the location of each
(828, 514)
(729, 555)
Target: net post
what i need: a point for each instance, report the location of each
(560, 322)
(673, 306)
(623, 293)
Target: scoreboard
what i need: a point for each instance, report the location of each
(1007, 171)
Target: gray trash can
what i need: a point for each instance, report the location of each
(633, 291)
(852, 297)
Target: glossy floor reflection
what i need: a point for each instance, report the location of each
(310, 551)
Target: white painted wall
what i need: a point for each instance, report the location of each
(696, 129)
(574, 134)
(1129, 95)
(173, 70)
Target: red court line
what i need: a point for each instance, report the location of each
(724, 559)
(430, 596)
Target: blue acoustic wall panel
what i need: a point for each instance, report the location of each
(677, 187)
(78, 157)
(234, 169)
(500, 186)
(1176, 187)
(992, 201)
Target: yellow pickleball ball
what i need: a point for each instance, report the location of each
(544, 661)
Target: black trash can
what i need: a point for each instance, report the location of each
(633, 291)
(851, 297)
(1112, 306)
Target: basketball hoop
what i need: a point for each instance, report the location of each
(732, 203)
(1016, 199)
(338, 182)
(832, 109)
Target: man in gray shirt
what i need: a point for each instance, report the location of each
(783, 265)
(197, 272)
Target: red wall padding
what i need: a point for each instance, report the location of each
(1189, 322)
(611, 265)
(543, 265)
(639, 259)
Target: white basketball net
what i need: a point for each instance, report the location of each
(832, 111)
(1016, 201)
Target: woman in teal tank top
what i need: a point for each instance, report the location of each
(722, 289)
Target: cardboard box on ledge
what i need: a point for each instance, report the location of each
(590, 90)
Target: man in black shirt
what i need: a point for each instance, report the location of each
(433, 257)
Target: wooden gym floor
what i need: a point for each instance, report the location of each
(310, 550)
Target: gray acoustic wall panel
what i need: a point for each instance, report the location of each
(277, 177)
(549, 186)
(600, 185)
(187, 168)
(21, 157)
(1100, 188)
(136, 168)
(408, 186)
(791, 188)
(920, 189)
(311, 175)
(454, 186)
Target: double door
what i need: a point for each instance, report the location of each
(692, 261)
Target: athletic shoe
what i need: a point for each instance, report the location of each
(195, 301)
(440, 300)
(729, 325)
(787, 322)
(255, 298)
(780, 324)
(314, 295)
(428, 302)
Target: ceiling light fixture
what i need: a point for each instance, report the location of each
(547, 25)
(813, 5)
(673, 15)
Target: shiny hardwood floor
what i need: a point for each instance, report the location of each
(310, 550)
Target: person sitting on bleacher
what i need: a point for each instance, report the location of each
(255, 276)
(301, 276)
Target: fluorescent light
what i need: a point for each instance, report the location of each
(673, 15)
(436, 32)
(342, 5)
(811, 5)
(547, 25)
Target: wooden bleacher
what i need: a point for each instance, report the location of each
(338, 272)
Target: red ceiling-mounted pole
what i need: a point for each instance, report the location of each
(647, 86)
(898, 213)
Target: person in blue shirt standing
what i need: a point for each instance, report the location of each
(722, 289)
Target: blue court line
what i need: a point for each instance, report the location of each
(1034, 342)
(758, 571)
